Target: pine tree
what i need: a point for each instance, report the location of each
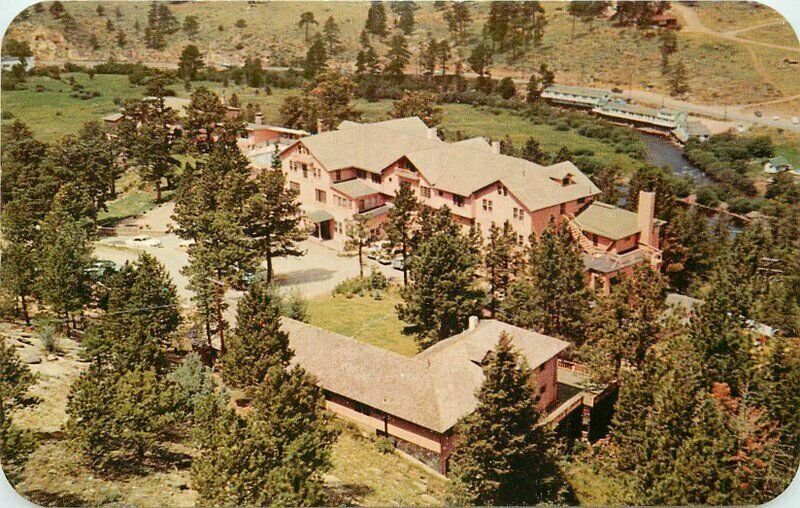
(718, 331)
(258, 343)
(146, 138)
(504, 458)
(607, 179)
(358, 237)
(376, 19)
(457, 16)
(191, 26)
(306, 20)
(274, 218)
(552, 298)
(316, 57)
(204, 114)
(442, 293)
(117, 418)
(399, 226)
(624, 325)
(278, 452)
(501, 261)
(533, 152)
(63, 264)
(678, 79)
(331, 33)
(15, 381)
(144, 298)
(190, 62)
(398, 57)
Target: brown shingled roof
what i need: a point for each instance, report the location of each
(433, 389)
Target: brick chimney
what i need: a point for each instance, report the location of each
(495, 147)
(259, 119)
(473, 323)
(645, 213)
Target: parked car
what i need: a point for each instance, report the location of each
(102, 267)
(143, 241)
(250, 278)
(757, 113)
(776, 118)
(795, 120)
(398, 264)
(375, 250)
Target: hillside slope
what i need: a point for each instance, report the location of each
(722, 69)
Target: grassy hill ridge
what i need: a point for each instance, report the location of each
(720, 71)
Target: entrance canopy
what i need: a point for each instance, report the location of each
(318, 216)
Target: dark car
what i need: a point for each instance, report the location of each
(757, 113)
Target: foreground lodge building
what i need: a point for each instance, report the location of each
(358, 168)
(416, 401)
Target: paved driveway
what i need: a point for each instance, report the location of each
(314, 274)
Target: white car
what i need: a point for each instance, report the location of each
(143, 241)
(795, 120)
(775, 118)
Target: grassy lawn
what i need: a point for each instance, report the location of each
(365, 476)
(131, 205)
(53, 113)
(603, 54)
(727, 16)
(365, 319)
(782, 34)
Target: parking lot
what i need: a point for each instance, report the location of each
(314, 274)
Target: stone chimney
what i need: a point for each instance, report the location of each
(259, 119)
(432, 133)
(645, 213)
(473, 323)
(495, 147)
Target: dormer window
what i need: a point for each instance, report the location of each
(565, 180)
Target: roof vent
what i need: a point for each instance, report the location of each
(473, 322)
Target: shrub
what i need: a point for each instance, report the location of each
(47, 334)
(384, 445)
(8, 115)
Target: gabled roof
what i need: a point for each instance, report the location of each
(434, 389)
(355, 188)
(608, 221)
(463, 170)
(371, 147)
(478, 143)
(577, 90)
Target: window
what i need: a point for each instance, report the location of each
(441, 193)
(293, 165)
(317, 172)
(302, 149)
(502, 190)
(376, 178)
(518, 213)
(340, 201)
(458, 200)
(562, 209)
(520, 239)
(425, 192)
(487, 205)
(338, 175)
(305, 170)
(322, 196)
(581, 200)
(294, 186)
(361, 173)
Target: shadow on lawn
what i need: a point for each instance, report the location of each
(347, 494)
(44, 498)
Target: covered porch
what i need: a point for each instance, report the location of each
(322, 222)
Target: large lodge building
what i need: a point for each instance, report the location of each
(358, 168)
(418, 400)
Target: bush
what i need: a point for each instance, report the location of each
(47, 334)
(8, 115)
(384, 445)
(707, 196)
(295, 306)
